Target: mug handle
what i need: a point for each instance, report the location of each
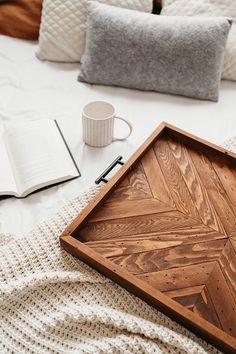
(130, 129)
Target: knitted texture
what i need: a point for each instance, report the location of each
(50, 302)
(230, 144)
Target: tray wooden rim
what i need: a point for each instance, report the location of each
(162, 302)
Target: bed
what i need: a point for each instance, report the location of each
(32, 89)
(50, 301)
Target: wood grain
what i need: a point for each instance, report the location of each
(227, 263)
(174, 179)
(156, 180)
(204, 307)
(134, 225)
(134, 187)
(170, 255)
(152, 296)
(227, 177)
(222, 299)
(197, 190)
(187, 297)
(124, 209)
(164, 228)
(183, 234)
(178, 278)
(233, 233)
(155, 240)
(233, 242)
(215, 190)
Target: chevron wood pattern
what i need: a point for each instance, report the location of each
(171, 222)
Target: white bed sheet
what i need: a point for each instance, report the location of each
(31, 89)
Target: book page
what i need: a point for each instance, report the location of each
(39, 154)
(7, 181)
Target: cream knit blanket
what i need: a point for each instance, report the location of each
(51, 302)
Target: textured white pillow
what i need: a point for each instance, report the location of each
(209, 8)
(63, 27)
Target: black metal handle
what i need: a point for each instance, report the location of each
(102, 178)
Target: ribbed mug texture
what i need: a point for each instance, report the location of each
(98, 132)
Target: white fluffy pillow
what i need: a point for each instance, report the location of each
(209, 8)
(63, 27)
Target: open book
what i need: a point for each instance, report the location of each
(33, 155)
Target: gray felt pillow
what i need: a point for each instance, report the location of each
(177, 55)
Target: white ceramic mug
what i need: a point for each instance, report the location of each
(98, 124)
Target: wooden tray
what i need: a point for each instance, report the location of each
(164, 228)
